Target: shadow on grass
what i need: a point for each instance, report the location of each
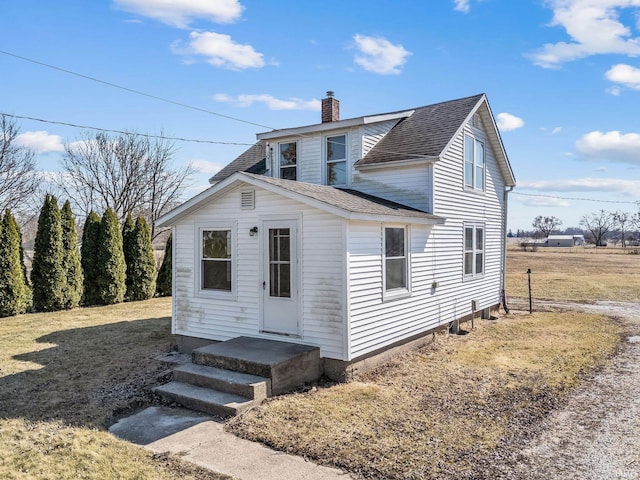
(89, 374)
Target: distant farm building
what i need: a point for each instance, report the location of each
(565, 240)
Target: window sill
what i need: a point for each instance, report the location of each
(470, 278)
(399, 294)
(217, 294)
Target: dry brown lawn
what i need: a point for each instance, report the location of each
(62, 377)
(582, 274)
(446, 411)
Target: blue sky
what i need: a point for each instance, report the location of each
(562, 78)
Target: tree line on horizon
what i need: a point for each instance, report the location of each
(112, 265)
(618, 226)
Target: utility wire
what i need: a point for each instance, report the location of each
(131, 90)
(572, 198)
(180, 139)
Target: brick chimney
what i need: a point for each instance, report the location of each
(330, 108)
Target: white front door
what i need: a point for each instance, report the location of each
(280, 278)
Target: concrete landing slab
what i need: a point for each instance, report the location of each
(205, 443)
(154, 423)
(256, 350)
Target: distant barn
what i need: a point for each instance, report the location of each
(565, 240)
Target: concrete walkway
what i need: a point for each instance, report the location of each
(200, 439)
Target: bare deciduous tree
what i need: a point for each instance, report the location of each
(19, 180)
(128, 173)
(545, 226)
(621, 222)
(598, 225)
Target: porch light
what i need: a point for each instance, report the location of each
(253, 231)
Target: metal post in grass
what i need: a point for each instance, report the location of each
(529, 280)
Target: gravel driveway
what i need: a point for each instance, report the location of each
(596, 434)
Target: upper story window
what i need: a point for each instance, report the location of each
(396, 261)
(216, 259)
(288, 160)
(336, 160)
(474, 163)
(473, 250)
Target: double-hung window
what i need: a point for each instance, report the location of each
(336, 149)
(288, 160)
(216, 259)
(396, 260)
(473, 250)
(474, 163)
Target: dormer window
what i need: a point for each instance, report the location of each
(288, 160)
(336, 160)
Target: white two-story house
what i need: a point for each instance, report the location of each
(353, 235)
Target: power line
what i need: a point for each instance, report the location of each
(180, 139)
(572, 198)
(131, 90)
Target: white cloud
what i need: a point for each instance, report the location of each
(180, 13)
(594, 27)
(462, 6)
(615, 91)
(556, 130)
(205, 166)
(507, 122)
(543, 201)
(379, 55)
(612, 146)
(41, 141)
(615, 185)
(220, 50)
(625, 75)
(270, 101)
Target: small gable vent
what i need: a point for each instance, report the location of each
(248, 199)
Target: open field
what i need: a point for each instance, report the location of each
(63, 375)
(580, 274)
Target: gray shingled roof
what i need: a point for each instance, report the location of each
(247, 161)
(346, 199)
(425, 133)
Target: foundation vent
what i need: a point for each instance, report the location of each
(248, 199)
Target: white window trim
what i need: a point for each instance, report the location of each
(209, 293)
(473, 169)
(475, 226)
(325, 162)
(388, 295)
(277, 166)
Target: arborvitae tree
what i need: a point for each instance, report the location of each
(72, 264)
(110, 266)
(15, 294)
(89, 251)
(48, 277)
(163, 284)
(128, 241)
(141, 264)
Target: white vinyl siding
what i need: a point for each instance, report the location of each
(322, 288)
(408, 185)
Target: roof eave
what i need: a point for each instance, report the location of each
(416, 220)
(426, 159)
(340, 124)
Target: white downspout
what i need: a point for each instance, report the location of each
(503, 273)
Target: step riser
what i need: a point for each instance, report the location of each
(255, 391)
(229, 363)
(285, 375)
(195, 404)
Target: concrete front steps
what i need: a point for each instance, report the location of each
(229, 377)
